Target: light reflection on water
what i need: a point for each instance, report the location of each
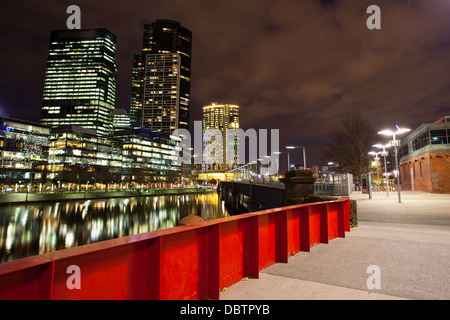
(27, 230)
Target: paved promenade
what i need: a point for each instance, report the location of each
(408, 241)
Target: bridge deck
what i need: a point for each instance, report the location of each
(269, 196)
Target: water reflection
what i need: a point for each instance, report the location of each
(41, 228)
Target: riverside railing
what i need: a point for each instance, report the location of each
(187, 262)
(24, 197)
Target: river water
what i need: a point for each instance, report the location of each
(27, 230)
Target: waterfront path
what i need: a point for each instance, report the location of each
(408, 241)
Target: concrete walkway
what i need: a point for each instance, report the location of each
(408, 241)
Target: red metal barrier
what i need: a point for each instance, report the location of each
(186, 262)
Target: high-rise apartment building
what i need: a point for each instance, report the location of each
(80, 80)
(161, 95)
(161, 81)
(220, 148)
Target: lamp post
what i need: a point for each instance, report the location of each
(289, 165)
(269, 163)
(255, 173)
(395, 143)
(304, 153)
(384, 153)
(259, 172)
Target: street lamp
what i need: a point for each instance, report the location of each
(255, 173)
(269, 163)
(384, 153)
(259, 172)
(395, 143)
(289, 165)
(304, 153)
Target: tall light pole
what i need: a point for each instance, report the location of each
(304, 153)
(395, 143)
(384, 153)
(289, 165)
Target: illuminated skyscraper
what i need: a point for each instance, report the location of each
(220, 150)
(162, 78)
(161, 96)
(80, 80)
(137, 85)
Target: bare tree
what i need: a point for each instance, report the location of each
(350, 142)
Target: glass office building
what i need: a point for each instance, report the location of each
(134, 157)
(78, 156)
(34, 157)
(80, 80)
(137, 86)
(24, 150)
(150, 158)
(121, 120)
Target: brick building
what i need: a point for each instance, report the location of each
(425, 158)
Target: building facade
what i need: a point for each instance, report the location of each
(161, 100)
(80, 80)
(24, 148)
(121, 120)
(35, 157)
(220, 148)
(425, 158)
(137, 88)
(77, 156)
(150, 158)
(161, 80)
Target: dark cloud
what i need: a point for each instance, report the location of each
(328, 3)
(292, 65)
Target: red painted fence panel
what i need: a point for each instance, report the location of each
(187, 262)
(293, 230)
(25, 279)
(234, 242)
(314, 225)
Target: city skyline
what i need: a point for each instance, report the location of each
(295, 67)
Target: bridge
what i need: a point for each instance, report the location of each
(247, 191)
(268, 195)
(187, 262)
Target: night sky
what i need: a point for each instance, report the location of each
(290, 65)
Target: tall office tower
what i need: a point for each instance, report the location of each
(162, 78)
(220, 150)
(137, 85)
(80, 80)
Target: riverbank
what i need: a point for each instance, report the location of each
(29, 197)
